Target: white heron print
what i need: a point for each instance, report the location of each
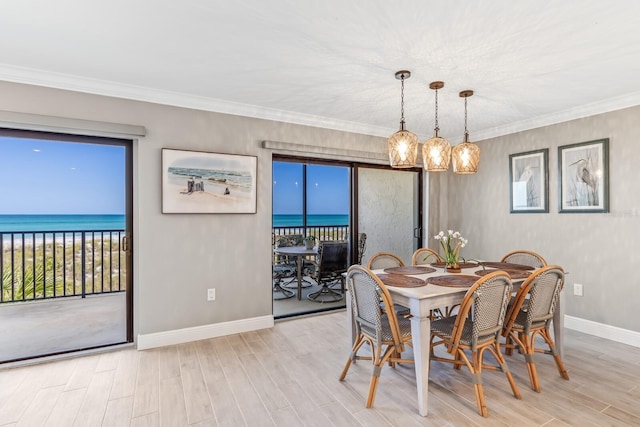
(528, 174)
(583, 170)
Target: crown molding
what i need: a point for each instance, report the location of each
(176, 99)
(612, 104)
(139, 93)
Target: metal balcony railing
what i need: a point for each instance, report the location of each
(39, 265)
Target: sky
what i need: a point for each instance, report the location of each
(51, 177)
(327, 189)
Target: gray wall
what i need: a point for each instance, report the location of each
(600, 251)
(179, 256)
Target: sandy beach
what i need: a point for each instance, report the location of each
(211, 200)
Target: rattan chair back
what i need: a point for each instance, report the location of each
(383, 260)
(424, 256)
(523, 257)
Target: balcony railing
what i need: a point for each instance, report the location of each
(39, 265)
(320, 232)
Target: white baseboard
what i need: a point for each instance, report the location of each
(601, 330)
(179, 336)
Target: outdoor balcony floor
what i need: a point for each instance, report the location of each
(36, 328)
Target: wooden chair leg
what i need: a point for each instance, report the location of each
(495, 350)
(508, 347)
(561, 369)
(356, 346)
(531, 365)
(476, 371)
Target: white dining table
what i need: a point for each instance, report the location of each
(421, 300)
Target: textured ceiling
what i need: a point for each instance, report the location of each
(331, 63)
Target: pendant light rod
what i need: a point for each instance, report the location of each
(435, 86)
(402, 75)
(466, 94)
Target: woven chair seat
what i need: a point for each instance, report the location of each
(444, 329)
(386, 335)
(521, 322)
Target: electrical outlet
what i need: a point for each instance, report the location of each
(211, 294)
(577, 289)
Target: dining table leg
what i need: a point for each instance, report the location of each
(299, 261)
(421, 335)
(558, 325)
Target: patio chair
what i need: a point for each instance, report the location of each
(424, 256)
(523, 324)
(477, 328)
(385, 333)
(362, 246)
(287, 240)
(333, 261)
(523, 257)
(281, 271)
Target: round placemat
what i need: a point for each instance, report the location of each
(507, 266)
(453, 280)
(410, 269)
(514, 274)
(461, 264)
(400, 281)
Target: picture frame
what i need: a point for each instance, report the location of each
(529, 181)
(583, 177)
(203, 182)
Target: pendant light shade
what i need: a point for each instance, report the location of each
(465, 156)
(403, 145)
(436, 151)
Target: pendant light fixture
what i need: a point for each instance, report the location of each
(436, 152)
(403, 145)
(466, 155)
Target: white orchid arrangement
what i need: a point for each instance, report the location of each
(451, 255)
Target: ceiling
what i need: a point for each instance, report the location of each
(331, 63)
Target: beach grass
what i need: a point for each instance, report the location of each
(57, 268)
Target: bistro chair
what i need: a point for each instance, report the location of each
(477, 328)
(522, 325)
(424, 256)
(523, 257)
(382, 260)
(333, 261)
(385, 333)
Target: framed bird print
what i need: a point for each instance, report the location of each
(529, 181)
(583, 171)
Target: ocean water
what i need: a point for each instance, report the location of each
(296, 220)
(28, 223)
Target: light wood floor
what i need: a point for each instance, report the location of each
(287, 376)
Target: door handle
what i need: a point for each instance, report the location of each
(125, 244)
(417, 232)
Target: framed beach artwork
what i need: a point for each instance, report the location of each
(200, 182)
(529, 180)
(583, 171)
